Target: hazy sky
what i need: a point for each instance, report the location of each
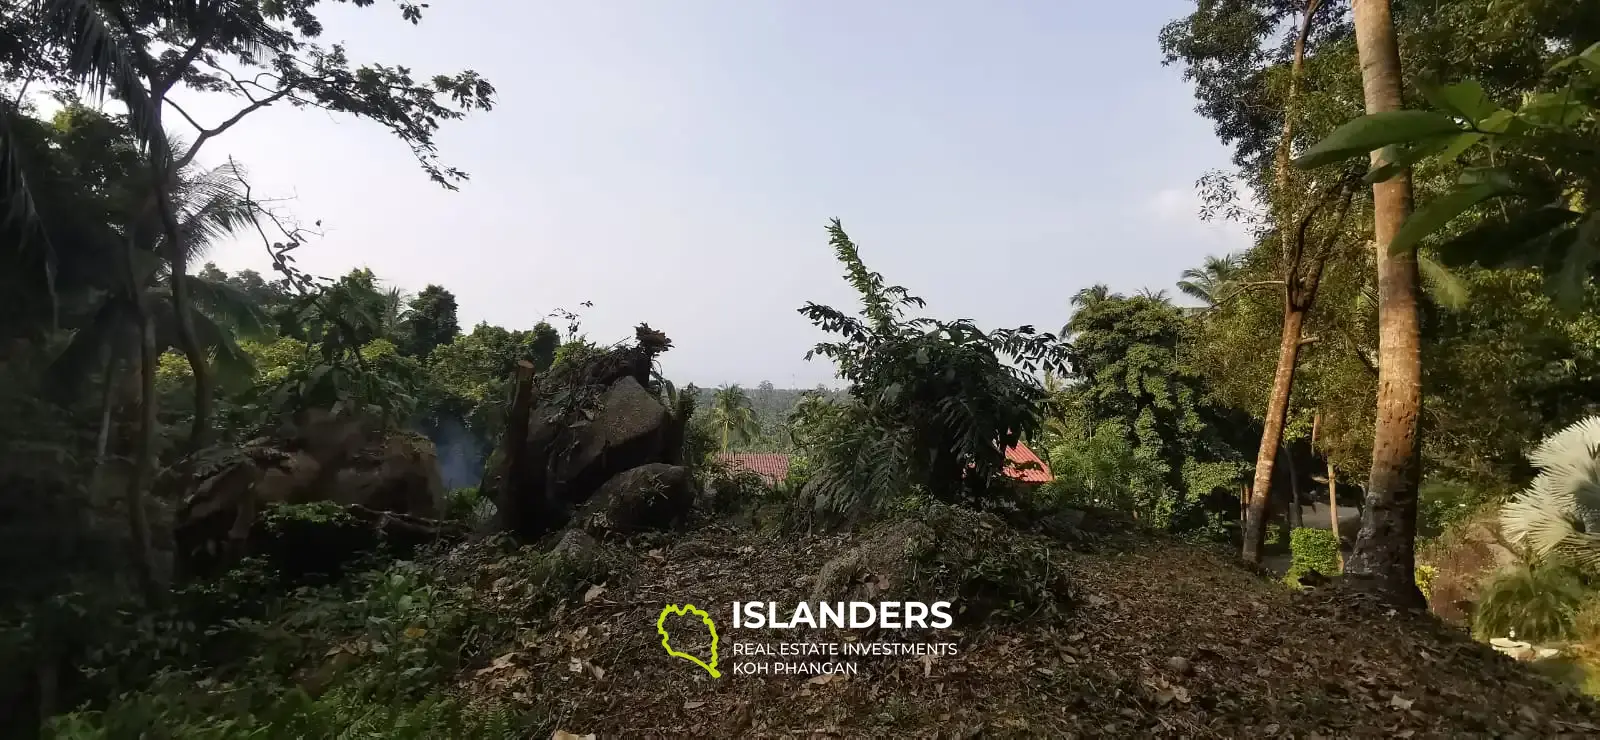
(676, 162)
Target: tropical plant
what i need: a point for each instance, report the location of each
(1533, 603)
(732, 415)
(1559, 513)
(1213, 282)
(932, 404)
(1533, 162)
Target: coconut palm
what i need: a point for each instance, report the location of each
(1213, 282)
(732, 411)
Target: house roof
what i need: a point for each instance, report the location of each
(773, 467)
(1019, 454)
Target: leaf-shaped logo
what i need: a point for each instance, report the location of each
(661, 627)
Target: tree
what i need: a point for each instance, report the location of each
(731, 413)
(430, 322)
(1212, 282)
(141, 53)
(1138, 429)
(932, 405)
(1384, 551)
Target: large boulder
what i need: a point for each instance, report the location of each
(627, 430)
(366, 475)
(653, 496)
(1463, 558)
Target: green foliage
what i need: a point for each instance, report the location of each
(729, 489)
(1536, 603)
(1532, 157)
(932, 403)
(469, 504)
(733, 416)
(1137, 431)
(430, 322)
(1556, 515)
(990, 571)
(1312, 549)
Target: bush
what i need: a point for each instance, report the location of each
(730, 488)
(1534, 604)
(1425, 575)
(469, 505)
(1312, 549)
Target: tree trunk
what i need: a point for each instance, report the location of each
(1272, 435)
(511, 503)
(1333, 513)
(1294, 310)
(144, 459)
(178, 264)
(1383, 558)
(1295, 521)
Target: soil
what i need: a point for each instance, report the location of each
(1161, 639)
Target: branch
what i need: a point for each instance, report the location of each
(205, 134)
(1309, 340)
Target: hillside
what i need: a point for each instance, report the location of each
(1120, 634)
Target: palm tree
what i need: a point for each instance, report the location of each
(731, 410)
(1558, 515)
(1091, 295)
(1213, 282)
(1383, 555)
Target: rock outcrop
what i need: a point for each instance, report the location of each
(383, 483)
(600, 444)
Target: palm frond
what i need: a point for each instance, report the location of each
(228, 304)
(1442, 285)
(1559, 513)
(101, 58)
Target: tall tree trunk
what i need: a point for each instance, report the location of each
(1295, 521)
(1383, 558)
(1333, 513)
(1294, 310)
(182, 304)
(144, 459)
(1272, 435)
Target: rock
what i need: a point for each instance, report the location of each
(370, 477)
(575, 544)
(876, 566)
(653, 496)
(627, 431)
(1179, 665)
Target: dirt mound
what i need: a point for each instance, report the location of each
(1162, 639)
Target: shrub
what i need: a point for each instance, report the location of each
(1312, 549)
(1425, 575)
(1533, 603)
(730, 488)
(469, 505)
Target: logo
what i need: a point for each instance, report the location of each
(661, 627)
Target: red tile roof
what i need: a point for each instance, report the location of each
(772, 467)
(1019, 455)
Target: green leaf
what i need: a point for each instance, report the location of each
(1465, 98)
(1442, 285)
(1440, 211)
(1397, 158)
(1556, 109)
(1491, 243)
(1376, 131)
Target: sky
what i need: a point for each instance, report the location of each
(677, 163)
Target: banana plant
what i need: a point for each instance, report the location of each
(1530, 174)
